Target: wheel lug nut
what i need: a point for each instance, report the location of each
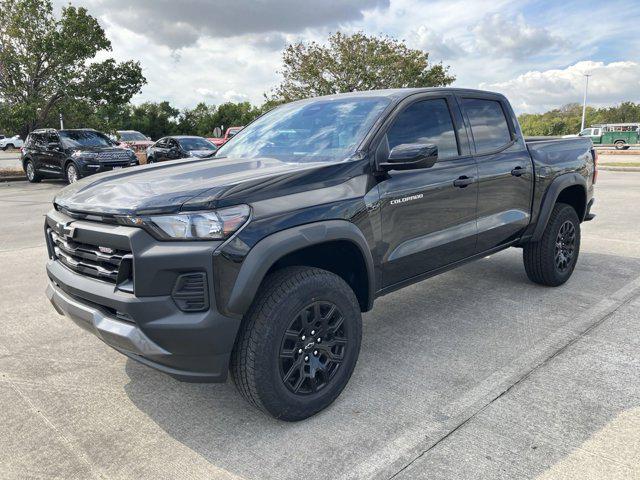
(315, 352)
(306, 358)
(299, 350)
(313, 332)
(319, 340)
(303, 337)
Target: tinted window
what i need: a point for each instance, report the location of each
(488, 123)
(83, 139)
(428, 121)
(132, 136)
(317, 130)
(196, 143)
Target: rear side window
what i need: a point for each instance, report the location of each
(488, 124)
(427, 121)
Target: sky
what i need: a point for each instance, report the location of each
(535, 52)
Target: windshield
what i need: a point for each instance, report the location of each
(324, 130)
(132, 137)
(195, 143)
(83, 139)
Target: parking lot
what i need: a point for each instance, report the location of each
(474, 374)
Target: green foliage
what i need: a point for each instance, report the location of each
(47, 63)
(355, 63)
(567, 119)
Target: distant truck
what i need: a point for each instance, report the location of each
(228, 135)
(620, 135)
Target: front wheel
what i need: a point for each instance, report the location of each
(551, 260)
(72, 174)
(299, 343)
(32, 174)
(620, 145)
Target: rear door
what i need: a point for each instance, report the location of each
(505, 170)
(428, 215)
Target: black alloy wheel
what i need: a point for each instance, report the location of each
(565, 246)
(312, 348)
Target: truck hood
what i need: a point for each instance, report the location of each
(195, 184)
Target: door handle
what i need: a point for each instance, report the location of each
(463, 181)
(518, 171)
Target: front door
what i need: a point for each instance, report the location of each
(505, 172)
(428, 215)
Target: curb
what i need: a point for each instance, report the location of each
(13, 178)
(619, 169)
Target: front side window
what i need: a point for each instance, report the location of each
(488, 124)
(317, 130)
(586, 132)
(84, 139)
(426, 122)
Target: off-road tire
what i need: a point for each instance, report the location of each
(540, 258)
(255, 361)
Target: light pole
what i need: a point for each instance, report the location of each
(584, 100)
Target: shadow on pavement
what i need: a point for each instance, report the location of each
(427, 351)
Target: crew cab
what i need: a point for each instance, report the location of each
(72, 154)
(262, 260)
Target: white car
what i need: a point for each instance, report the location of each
(11, 142)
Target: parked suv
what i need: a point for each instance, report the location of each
(72, 154)
(261, 260)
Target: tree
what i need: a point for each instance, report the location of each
(46, 62)
(235, 114)
(567, 119)
(355, 62)
(199, 120)
(153, 119)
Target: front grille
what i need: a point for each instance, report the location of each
(115, 156)
(91, 260)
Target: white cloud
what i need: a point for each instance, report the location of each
(437, 45)
(513, 37)
(537, 91)
(192, 51)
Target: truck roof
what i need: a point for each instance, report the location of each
(400, 93)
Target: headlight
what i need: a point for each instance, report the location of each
(212, 225)
(85, 155)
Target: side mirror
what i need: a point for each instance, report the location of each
(409, 156)
(53, 146)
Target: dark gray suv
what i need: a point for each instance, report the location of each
(72, 154)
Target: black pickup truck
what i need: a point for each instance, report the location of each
(261, 260)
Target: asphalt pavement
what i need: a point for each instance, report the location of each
(474, 374)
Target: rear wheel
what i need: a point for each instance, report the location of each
(32, 174)
(299, 343)
(71, 172)
(551, 260)
(150, 160)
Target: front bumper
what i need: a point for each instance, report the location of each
(145, 322)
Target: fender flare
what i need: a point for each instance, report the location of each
(549, 200)
(272, 248)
